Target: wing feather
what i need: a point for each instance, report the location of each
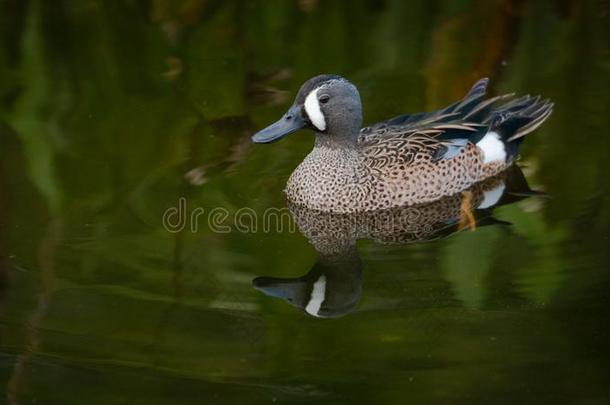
(443, 133)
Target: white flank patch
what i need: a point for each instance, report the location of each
(492, 147)
(312, 107)
(318, 293)
(491, 197)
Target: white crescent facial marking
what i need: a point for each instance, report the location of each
(492, 147)
(318, 293)
(312, 108)
(491, 197)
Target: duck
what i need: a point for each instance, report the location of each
(333, 285)
(405, 160)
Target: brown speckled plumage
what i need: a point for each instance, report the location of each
(330, 232)
(410, 159)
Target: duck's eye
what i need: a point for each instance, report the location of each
(324, 98)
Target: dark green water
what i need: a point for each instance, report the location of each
(111, 111)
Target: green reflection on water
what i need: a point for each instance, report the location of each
(112, 111)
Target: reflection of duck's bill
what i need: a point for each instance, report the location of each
(301, 292)
(276, 287)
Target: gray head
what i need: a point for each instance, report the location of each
(328, 104)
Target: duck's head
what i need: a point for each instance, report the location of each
(330, 289)
(328, 104)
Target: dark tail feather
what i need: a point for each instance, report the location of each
(474, 96)
(517, 118)
(507, 129)
(479, 88)
(529, 113)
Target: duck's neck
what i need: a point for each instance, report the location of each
(326, 173)
(346, 141)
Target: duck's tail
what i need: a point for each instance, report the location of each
(517, 118)
(505, 124)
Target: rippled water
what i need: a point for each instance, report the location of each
(113, 113)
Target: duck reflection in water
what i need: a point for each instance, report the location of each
(333, 286)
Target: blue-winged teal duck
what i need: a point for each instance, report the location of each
(409, 159)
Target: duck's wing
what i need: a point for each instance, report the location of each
(429, 135)
(417, 145)
(442, 133)
(470, 105)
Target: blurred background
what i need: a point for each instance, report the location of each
(110, 111)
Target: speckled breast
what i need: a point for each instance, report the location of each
(340, 181)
